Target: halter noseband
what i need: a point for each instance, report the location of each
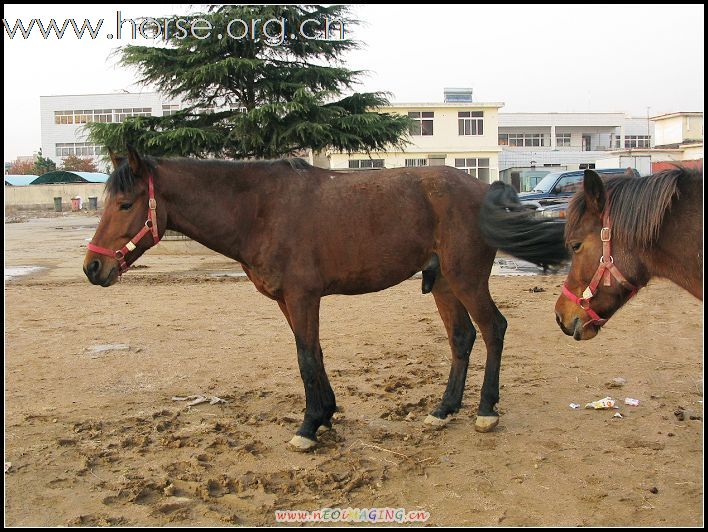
(605, 271)
(150, 225)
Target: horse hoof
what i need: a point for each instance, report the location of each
(436, 421)
(323, 428)
(302, 444)
(485, 423)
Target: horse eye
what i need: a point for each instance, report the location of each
(125, 206)
(576, 246)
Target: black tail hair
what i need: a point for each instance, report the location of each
(508, 225)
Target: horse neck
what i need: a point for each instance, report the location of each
(208, 203)
(678, 253)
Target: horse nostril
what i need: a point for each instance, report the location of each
(558, 319)
(94, 267)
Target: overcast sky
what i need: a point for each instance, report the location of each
(533, 58)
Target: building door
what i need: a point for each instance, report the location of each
(586, 142)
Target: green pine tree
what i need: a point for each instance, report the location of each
(43, 164)
(252, 98)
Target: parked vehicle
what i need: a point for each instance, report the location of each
(550, 196)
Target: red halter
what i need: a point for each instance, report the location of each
(605, 271)
(150, 225)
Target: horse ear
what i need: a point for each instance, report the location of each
(115, 159)
(594, 191)
(135, 161)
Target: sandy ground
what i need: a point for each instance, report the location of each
(95, 437)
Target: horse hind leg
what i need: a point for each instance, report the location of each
(492, 324)
(461, 336)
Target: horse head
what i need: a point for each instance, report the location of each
(130, 220)
(596, 286)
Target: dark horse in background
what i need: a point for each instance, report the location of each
(302, 233)
(624, 231)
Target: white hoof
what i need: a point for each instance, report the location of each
(301, 444)
(323, 428)
(436, 421)
(485, 423)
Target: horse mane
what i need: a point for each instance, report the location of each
(637, 205)
(123, 181)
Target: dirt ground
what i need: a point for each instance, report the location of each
(94, 437)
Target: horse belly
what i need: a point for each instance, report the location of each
(375, 268)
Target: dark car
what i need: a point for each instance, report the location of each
(550, 196)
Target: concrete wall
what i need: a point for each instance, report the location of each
(669, 130)
(691, 153)
(692, 128)
(42, 196)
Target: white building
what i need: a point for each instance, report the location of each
(63, 118)
(567, 140)
(456, 132)
(679, 140)
(675, 129)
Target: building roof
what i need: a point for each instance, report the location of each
(92, 177)
(674, 115)
(427, 105)
(19, 180)
(561, 119)
(63, 176)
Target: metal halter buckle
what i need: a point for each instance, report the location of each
(605, 234)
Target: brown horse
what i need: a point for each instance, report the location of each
(302, 233)
(638, 228)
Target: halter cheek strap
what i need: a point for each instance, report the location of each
(605, 271)
(150, 226)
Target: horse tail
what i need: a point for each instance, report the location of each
(508, 225)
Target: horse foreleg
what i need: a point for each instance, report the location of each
(303, 313)
(461, 335)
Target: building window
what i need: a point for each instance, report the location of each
(470, 123)
(476, 167)
(84, 116)
(103, 115)
(416, 162)
(64, 149)
(422, 123)
(80, 149)
(527, 139)
(366, 163)
(634, 141)
(122, 114)
(585, 166)
(63, 117)
(563, 139)
(169, 109)
(503, 139)
(551, 164)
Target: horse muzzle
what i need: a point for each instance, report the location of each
(93, 273)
